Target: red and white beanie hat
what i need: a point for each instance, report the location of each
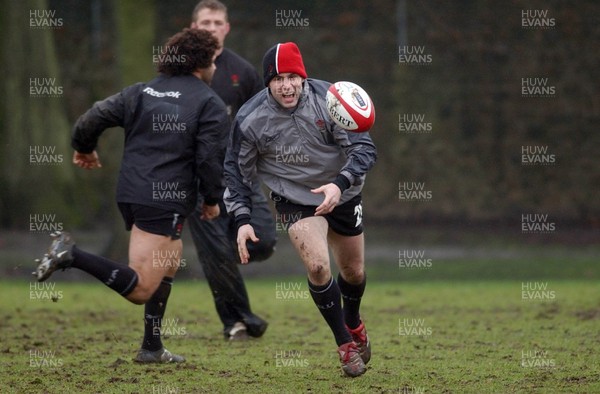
(283, 58)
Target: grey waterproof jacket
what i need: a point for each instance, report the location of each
(293, 151)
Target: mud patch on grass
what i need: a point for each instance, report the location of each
(588, 314)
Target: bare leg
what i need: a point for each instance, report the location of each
(143, 247)
(309, 237)
(349, 255)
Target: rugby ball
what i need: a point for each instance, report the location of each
(350, 107)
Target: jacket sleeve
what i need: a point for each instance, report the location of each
(240, 159)
(361, 153)
(211, 142)
(110, 112)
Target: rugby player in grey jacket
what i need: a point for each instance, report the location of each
(316, 171)
(175, 131)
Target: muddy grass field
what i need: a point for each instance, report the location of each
(537, 336)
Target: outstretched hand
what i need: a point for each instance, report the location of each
(332, 197)
(245, 233)
(87, 160)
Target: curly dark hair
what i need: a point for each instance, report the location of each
(187, 51)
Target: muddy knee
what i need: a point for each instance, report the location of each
(318, 272)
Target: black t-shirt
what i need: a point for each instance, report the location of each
(176, 131)
(235, 80)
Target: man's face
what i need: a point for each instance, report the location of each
(213, 21)
(286, 89)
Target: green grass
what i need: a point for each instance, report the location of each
(521, 269)
(475, 336)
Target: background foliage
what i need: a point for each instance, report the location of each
(470, 92)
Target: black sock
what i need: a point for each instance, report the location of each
(154, 310)
(328, 299)
(117, 276)
(351, 295)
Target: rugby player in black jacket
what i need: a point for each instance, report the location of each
(235, 81)
(176, 131)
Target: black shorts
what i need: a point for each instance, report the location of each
(345, 219)
(152, 220)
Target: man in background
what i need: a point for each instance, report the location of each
(235, 81)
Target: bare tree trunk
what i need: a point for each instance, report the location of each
(135, 21)
(34, 150)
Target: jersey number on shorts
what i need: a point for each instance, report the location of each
(358, 213)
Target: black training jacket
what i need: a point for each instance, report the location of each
(235, 80)
(176, 131)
